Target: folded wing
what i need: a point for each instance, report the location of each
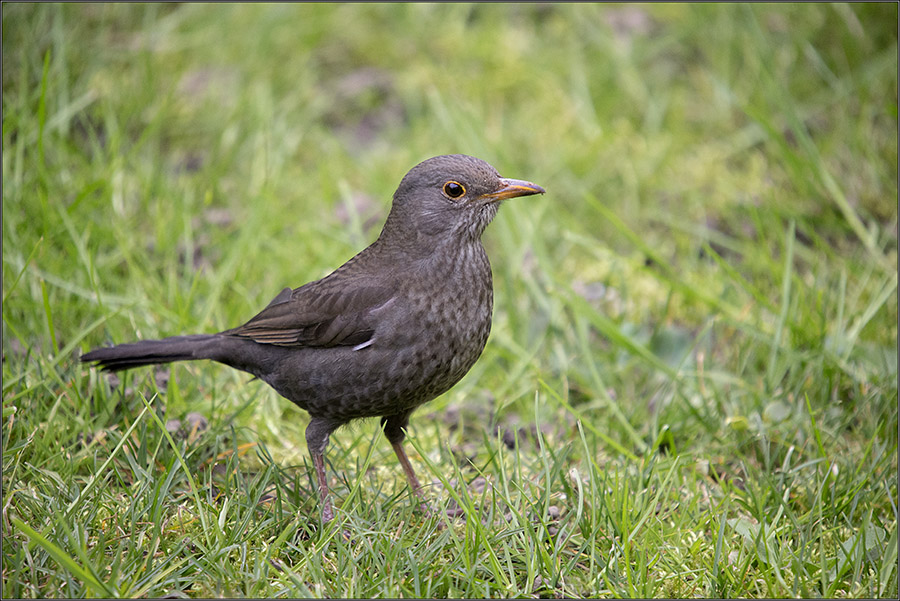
(312, 317)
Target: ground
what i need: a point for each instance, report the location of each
(690, 389)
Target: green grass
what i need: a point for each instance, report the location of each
(690, 389)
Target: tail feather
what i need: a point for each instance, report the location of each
(150, 352)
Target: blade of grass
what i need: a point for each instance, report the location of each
(584, 421)
(48, 314)
(184, 466)
(85, 575)
(785, 306)
(24, 267)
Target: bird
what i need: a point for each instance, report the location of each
(394, 327)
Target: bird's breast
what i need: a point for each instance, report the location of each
(441, 321)
(447, 302)
(425, 339)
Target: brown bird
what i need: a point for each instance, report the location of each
(392, 328)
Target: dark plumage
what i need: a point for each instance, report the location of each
(392, 328)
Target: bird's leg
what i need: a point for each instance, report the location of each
(395, 431)
(324, 495)
(408, 468)
(317, 433)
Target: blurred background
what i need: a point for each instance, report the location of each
(712, 273)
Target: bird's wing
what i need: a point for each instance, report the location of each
(310, 316)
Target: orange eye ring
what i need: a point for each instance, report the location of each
(454, 190)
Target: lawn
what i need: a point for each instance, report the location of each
(690, 388)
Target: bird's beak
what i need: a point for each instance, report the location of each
(510, 188)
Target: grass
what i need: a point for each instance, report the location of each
(690, 388)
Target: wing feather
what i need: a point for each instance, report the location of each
(313, 318)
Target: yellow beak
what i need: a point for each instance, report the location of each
(512, 188)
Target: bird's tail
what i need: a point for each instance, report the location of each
(151, 352)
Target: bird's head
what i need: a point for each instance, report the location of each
(451, 195)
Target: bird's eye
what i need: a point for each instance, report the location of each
(454, 189)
